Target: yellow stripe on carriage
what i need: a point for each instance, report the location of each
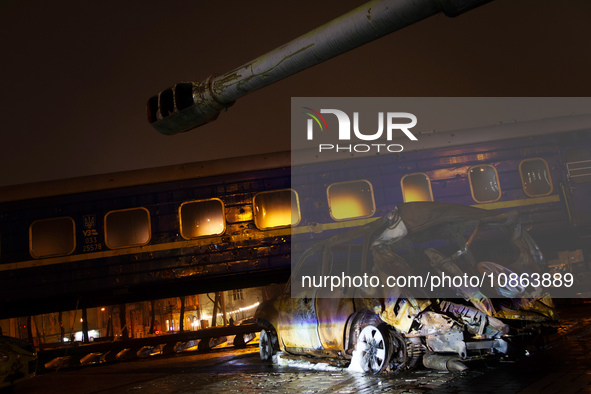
(519, 203)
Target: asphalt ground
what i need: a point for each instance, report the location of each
(561, 365)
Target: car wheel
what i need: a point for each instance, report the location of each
(267, 348)
(374, 347)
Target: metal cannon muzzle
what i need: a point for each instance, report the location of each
(188, 105)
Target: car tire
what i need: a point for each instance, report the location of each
(374, 345)
(267, 345)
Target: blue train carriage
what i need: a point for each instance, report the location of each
(139, 235)
(227, 224)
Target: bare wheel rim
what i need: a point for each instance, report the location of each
(373, 350)
(265, 346)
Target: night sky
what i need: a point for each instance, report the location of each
(76, 75)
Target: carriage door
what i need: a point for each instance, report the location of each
(578, 188)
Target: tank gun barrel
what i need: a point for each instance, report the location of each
(188, 105)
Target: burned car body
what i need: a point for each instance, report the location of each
(376, 327)
(18, 361)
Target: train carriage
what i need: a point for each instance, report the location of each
(545, 177)
(229, 223)
(141, 241)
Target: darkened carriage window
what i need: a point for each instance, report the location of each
(484, 183)
(579, 165)
(127, 227)
(535, 177)
(277, 208)
(348, 200)
(416, 187)
(52, 237)
(202, 218)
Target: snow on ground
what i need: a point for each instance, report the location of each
(303, 364)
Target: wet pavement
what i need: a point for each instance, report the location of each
(563, 365)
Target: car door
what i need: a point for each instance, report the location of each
(297, 323)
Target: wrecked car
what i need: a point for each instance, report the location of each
(367, 298)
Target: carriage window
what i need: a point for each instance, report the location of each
(52, 237)
(416, 187)
(127, 227)
(535, 177)
(202, 218)
(278, 208)
(579, 165)
(348, 200)
(484, 183)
